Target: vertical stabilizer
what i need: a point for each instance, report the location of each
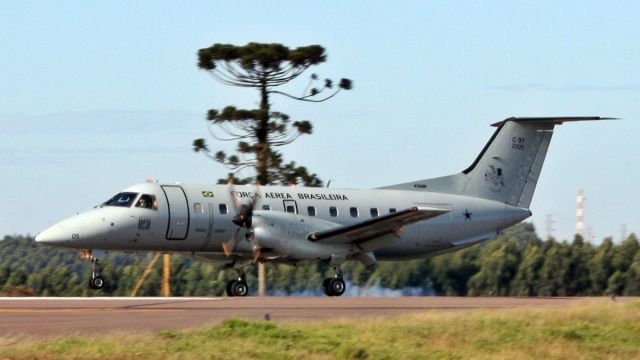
(508, 167)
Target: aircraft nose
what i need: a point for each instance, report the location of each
(82, 230)
(53, 235)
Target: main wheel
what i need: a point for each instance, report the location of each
(239, 288)
(96, 282)
(229, 291)
(326, 288)
(337, 286)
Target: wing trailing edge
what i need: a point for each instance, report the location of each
(376, 227)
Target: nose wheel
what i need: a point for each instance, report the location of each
(96, 282)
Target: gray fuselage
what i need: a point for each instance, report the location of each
(196, 219)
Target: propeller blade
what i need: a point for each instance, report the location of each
(257, 251)
(227, 248)
(235, 200)
(229, 245)
(256, 194)
(256, 256)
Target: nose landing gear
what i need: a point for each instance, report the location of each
(96, 282)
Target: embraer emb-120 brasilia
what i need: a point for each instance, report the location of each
(291, 224)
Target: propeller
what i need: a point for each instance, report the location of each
(244, 215)
(242, 219)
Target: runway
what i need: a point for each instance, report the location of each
(101, 316)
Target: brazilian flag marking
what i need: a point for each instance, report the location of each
(207, 193)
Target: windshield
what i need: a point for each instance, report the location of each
(123, 199)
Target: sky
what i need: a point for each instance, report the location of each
(96, 96)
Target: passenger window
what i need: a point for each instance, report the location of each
(147, 202)
(392, 210)
(333, 211)
(197, 207)
(374, 212)
(291, 209)
(311, 210)
(222, 208)
(266, 207)
(353, 211)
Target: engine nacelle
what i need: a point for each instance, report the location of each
(286, 233)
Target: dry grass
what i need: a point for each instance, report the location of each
(602, 330)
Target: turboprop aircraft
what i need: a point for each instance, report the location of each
(291, 224)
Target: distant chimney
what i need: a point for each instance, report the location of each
(550, 228)
(580, 214)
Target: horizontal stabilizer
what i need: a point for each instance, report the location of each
(557, 120)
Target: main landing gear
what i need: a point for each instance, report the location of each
(334, 286)
(238, 286)
(96, 282)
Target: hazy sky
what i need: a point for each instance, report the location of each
(94, 96)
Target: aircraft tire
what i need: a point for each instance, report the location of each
(337, 286)
(239, 288)
(96, 282)
(229, 284)
(326, 288)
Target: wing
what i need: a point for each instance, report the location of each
(390, 224)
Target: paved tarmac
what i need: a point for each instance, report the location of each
(99, 316)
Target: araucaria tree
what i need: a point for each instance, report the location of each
(259, 132)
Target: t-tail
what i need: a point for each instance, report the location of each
(508, 167)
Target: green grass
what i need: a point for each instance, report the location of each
(588, 331)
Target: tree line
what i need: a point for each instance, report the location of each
(518, 263)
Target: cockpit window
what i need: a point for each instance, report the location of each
(124, 199)
(147, 202)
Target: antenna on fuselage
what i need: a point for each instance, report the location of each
(328, 183)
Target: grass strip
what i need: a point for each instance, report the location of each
(586, 331)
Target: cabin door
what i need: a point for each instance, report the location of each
(178, 212)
